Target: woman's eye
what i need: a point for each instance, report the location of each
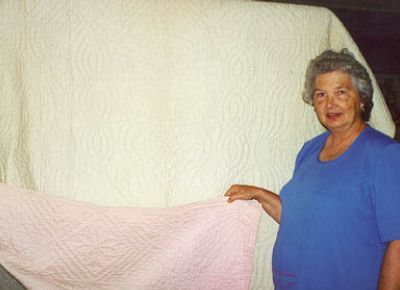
(319, 95)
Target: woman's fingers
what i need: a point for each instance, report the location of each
(234, 189)
(237, 196)
(239, 192)
(230, 190)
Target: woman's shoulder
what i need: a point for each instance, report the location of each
(312, 146)
(376, 139)
(316, 141)
(381, 152)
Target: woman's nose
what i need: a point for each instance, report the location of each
(330, 100)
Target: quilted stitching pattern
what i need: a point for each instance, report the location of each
(52, 243)
(159, 103)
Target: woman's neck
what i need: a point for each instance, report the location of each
(338, 142)
(348, 135)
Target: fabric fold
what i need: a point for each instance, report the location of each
(48, 242)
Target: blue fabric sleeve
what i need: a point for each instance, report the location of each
(387, 193)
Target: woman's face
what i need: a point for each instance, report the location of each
(336, 101)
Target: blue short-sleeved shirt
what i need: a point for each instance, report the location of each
(338, 216)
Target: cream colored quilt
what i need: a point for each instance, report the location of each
(159, 103)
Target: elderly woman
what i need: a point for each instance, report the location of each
(339, 215)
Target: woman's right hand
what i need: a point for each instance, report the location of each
(238, 191)
(270, 201)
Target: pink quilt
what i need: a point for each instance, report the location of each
(47, 242)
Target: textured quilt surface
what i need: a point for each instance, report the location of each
(52, 243)
(157, 103)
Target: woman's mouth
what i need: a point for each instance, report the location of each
(333, 116)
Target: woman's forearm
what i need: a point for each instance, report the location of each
(389, 278)
(270, 201)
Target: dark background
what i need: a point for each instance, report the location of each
(375, 27)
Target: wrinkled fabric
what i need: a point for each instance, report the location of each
(157, 103)
(52, 243)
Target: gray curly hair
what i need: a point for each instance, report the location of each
(344, 61)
